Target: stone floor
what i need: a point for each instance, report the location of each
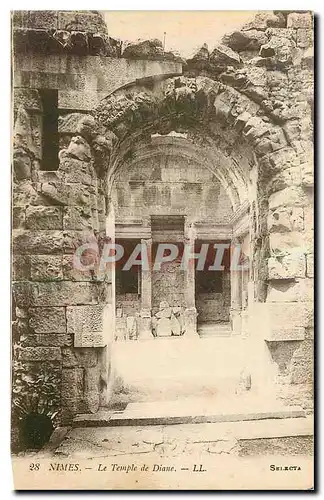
(189, 439)
(225, 455)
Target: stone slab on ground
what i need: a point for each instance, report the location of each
(190, 410)
(173, 440)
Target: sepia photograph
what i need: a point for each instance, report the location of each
(162, 250)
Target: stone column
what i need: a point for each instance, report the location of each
(145, 323)
(190, 313)
(236, 289)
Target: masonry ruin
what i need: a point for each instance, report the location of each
(135, 145)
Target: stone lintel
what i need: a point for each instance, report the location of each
(131, 231)
(285, 335)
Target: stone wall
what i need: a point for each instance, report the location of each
(270, 60)
(170, 184)
(58, 310)
(72, 53)
(213, 307)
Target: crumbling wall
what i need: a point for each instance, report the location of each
(58, 309)
(270, 60)
(71, 52)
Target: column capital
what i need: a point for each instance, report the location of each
(147, 241)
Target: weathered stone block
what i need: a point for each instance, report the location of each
(301, 369)
(223, 55)
(55, 193)
(21, 313)
(144, 328)
(28, 98)
(290, 314)
(73, 273)
(82, 358)
(287, 267)
(264, 20)
(255, 128)
(163, 327)
(36, 242)
(22, 164)
(48, 340)
(222, 107)
(78, 218)
(79, 149)
(307, 171)
(35, 19)
(286, 334)
(18, 217)
(91, 396)
(90, 339)
(285, 219)
(89, 22)
(190, 322)
(301, 290)
(72, 388)
(291, 177)
(44, 218)
(84, 318)
(77, 171)
(23, 293)
(68, 123)
(65, 293)
(282, 159)
(245, 40)
(46, 267)
(40, 354)
(300, 20)
(47, 319)
(283, 243)
(308, 59)
(310, 265)
(20, 267)
(305, 38)
(309, 218)
(164, 313)
(271, 142)
(73, 240)
(290, 196)
(52, 176)
(64, 193)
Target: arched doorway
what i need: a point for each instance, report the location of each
(168, 192)
(181, 172)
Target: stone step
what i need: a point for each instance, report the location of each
(214, 330)
(191, 411)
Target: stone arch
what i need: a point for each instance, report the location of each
(180, 103)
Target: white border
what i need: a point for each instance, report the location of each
(316, 6)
